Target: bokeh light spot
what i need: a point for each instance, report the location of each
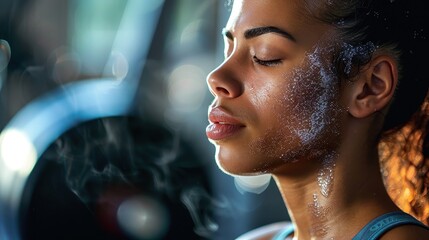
(187, 88)
(143, 218)
(119, 65)
(17, 152)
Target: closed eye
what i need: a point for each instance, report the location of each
(267, 63)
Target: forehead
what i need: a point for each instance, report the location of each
(285, 14)
(268, 10)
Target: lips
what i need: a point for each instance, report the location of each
(222, 125)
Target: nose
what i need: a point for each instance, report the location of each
(224, 81)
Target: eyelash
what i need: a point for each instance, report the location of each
(267, 63)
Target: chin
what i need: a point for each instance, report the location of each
(233, 171)
(240, 163)
(232, 162)
(228, 166)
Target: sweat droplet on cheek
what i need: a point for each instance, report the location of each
(314, 95)
(305, 110)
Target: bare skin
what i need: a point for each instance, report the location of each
(288, 115)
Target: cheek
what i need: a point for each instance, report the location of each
(275, 141)
(303, 116)
(313, 100)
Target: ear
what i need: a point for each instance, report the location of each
(374, 87)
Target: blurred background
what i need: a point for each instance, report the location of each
(103, 110)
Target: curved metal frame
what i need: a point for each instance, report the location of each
(42, 121)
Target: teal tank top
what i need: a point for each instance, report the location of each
(374, 229)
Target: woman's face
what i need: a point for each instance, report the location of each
(276, 98)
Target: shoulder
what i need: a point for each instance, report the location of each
(265, 232)
(408, 232)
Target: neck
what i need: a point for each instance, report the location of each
(338, 186)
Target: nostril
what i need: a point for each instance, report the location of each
(222, 90)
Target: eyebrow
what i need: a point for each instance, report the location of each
(255, 32)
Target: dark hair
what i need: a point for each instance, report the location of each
(397, 28)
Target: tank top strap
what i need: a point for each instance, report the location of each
(373, 230)
(380, 225)
(282, 235)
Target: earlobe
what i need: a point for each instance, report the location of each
(374, 88)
